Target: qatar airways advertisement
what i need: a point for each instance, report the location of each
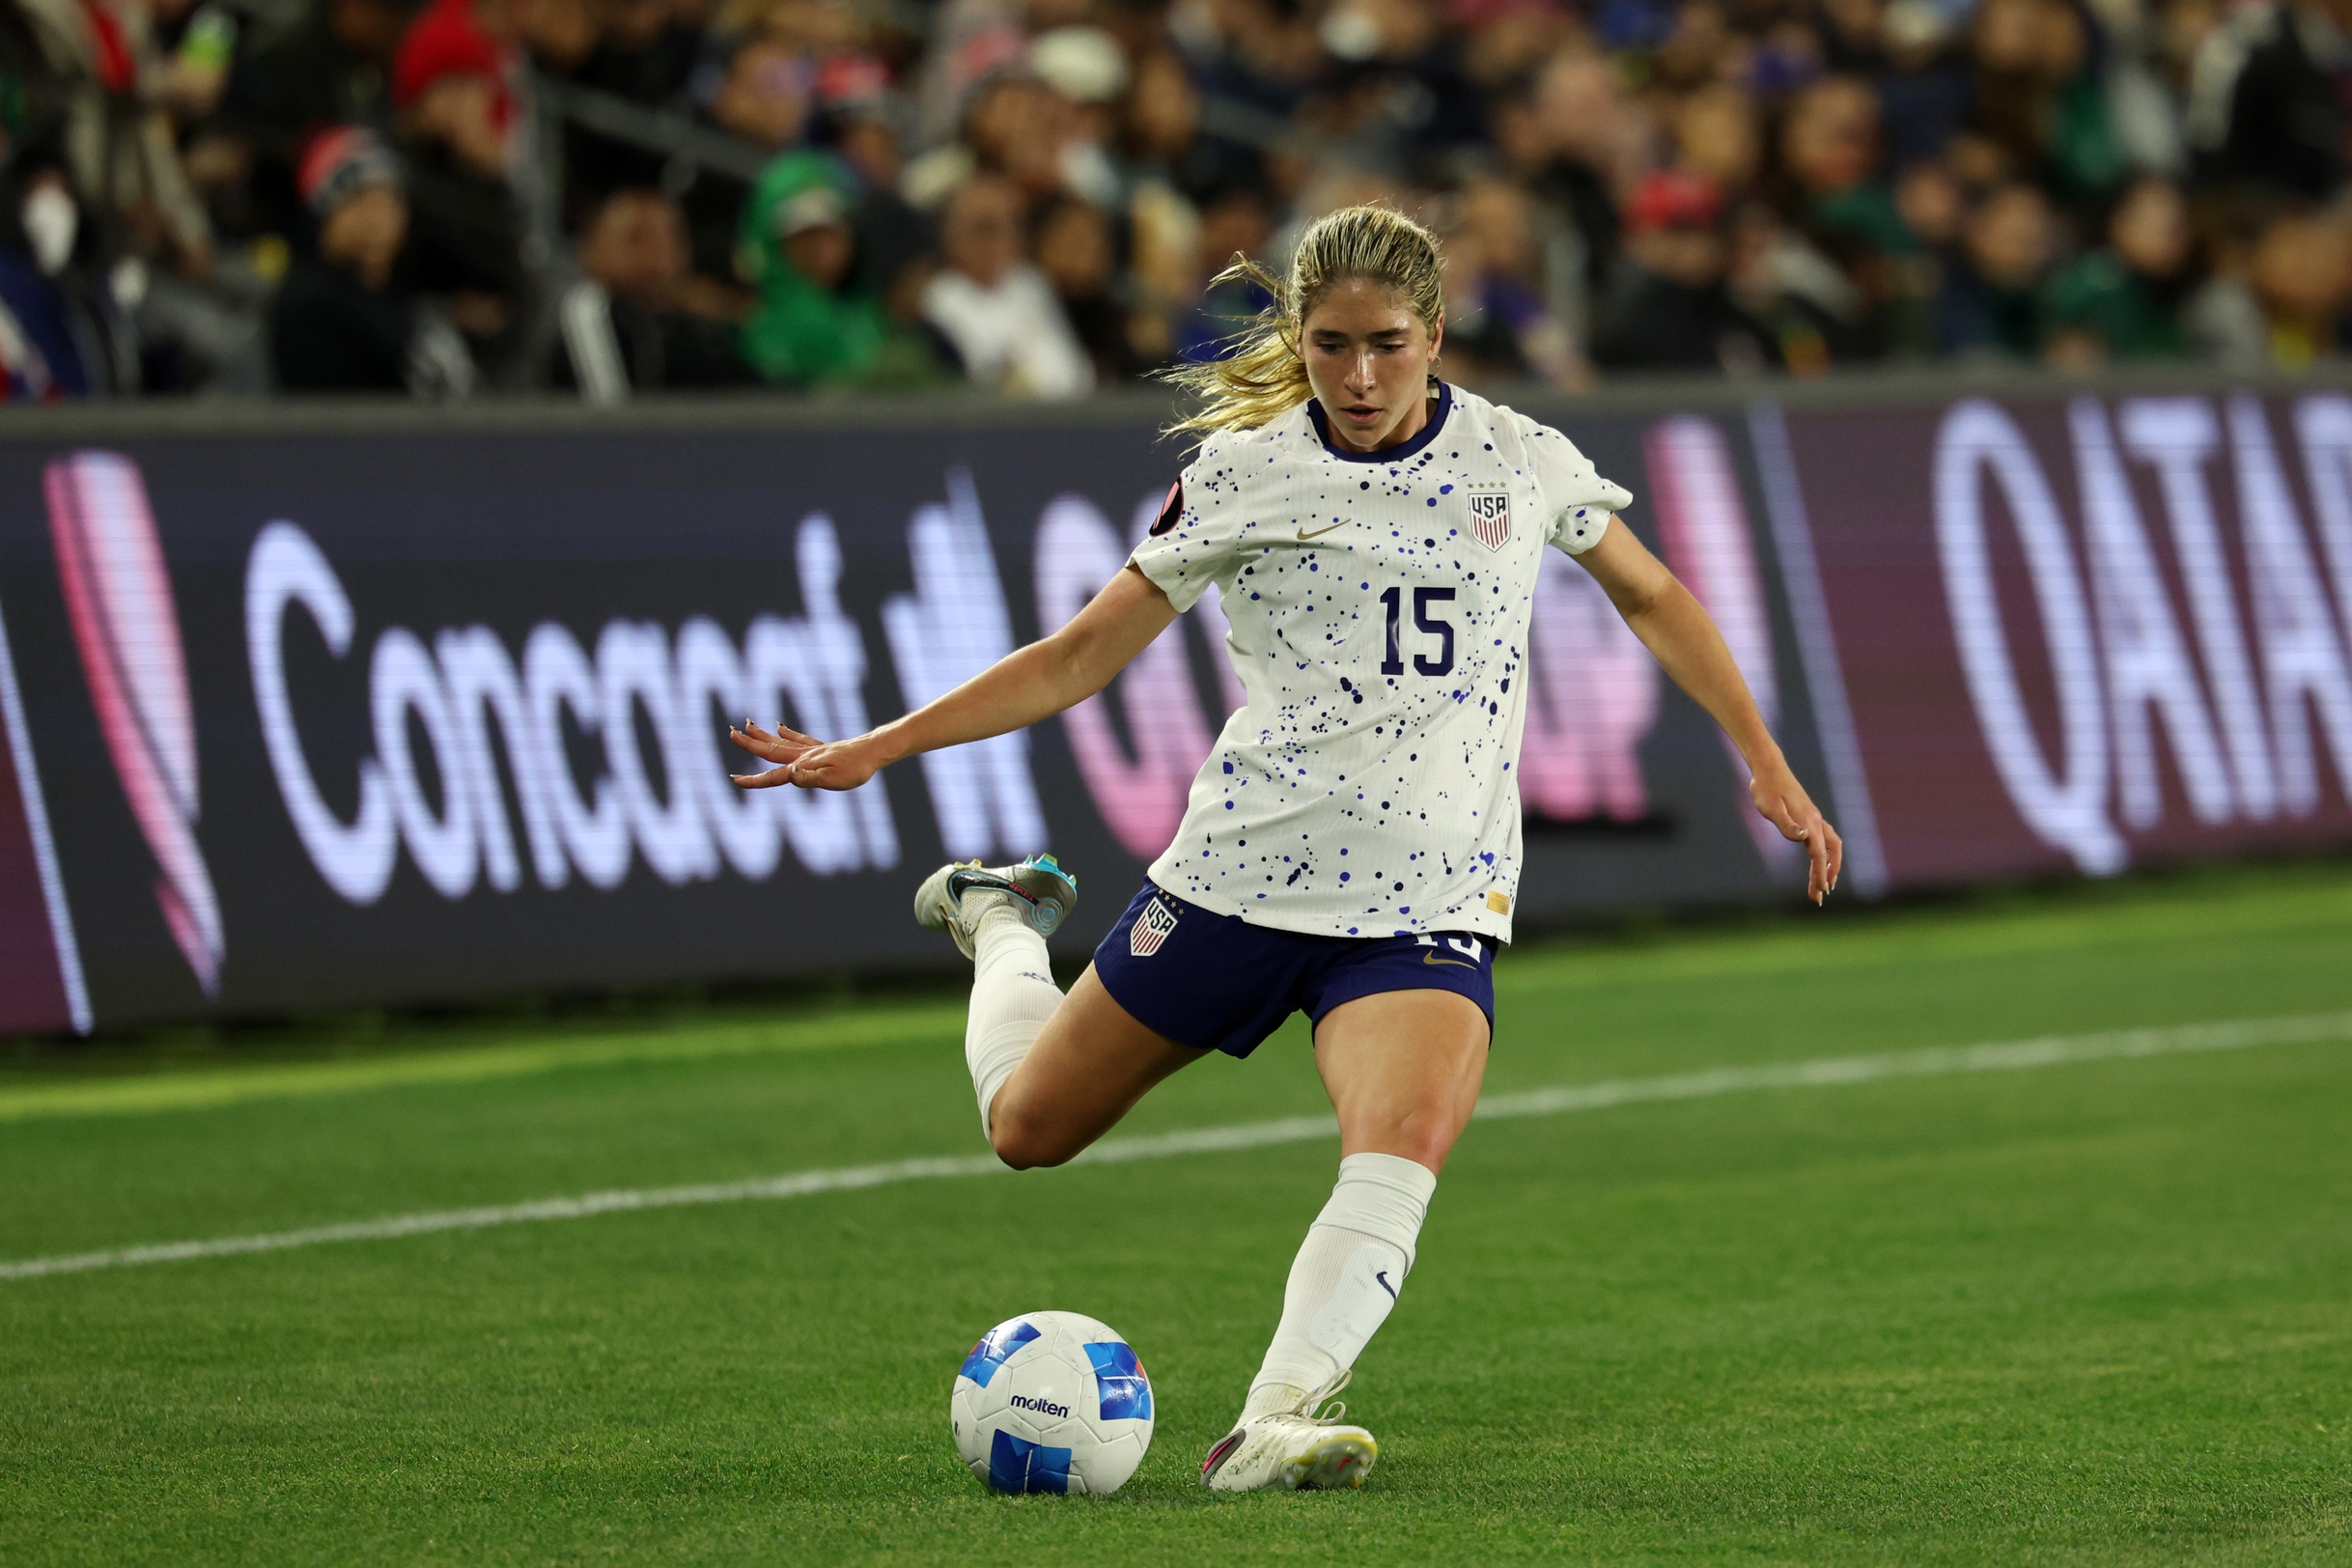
(318, 720)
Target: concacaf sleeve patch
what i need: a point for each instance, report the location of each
(1169, 510)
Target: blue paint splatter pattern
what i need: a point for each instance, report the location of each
(1378, 605)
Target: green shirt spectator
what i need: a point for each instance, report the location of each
(811, 326)
(2123, 301)
(2100, 297)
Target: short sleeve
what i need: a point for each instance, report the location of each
(1192, 542)
(1578, 502)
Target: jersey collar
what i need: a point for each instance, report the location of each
(1387, 454)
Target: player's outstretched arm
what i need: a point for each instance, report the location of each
(1026, 685)
(1680, 635)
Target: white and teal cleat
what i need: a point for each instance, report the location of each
(953, 898)
(1290, 1447)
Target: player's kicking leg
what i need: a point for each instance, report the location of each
(1403, 1070)
(1051, 1073)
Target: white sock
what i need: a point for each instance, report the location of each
(1346, 1277)
(1013, 994)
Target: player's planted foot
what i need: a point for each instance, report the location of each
(953, 898)
(1283, 1442)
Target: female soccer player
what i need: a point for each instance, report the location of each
(1351, 847)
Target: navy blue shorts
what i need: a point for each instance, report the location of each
(1216, 982)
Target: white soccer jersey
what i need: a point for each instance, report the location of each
(1378, 604)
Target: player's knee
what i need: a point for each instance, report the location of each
(1424, 1140)
(1024, 1144)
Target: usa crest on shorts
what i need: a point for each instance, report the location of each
(1152, 928)
(1490, 512)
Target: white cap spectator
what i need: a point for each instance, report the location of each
(1084, 65)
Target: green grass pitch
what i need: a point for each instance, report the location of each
(2092, 1313)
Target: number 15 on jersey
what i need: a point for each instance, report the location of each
(1393, 600)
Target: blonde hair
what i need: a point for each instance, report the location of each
(1265, 377)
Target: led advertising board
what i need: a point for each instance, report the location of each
(299, 719)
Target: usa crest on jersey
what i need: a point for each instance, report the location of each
(1490, 512)
(1152, 928)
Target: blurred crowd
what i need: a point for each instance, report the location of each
(606, 196)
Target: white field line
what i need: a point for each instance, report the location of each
(2052, 1051)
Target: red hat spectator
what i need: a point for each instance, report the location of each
(448, 42)
(340, 162)
(1673, 199)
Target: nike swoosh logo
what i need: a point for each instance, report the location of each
(1382, 1280)
(1432, 958)
(1306, 533)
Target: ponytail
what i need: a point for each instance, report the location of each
(1264, 376)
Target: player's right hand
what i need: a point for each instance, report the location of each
(804, 760)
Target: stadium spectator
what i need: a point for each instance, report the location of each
(1715, 137)
(331, 67)
(1808, 307)
(1829, 149)
(641, 53)
(642, 50)
(1879, 165)
(2299, 276)
(48, 255)
(1583, 145)
(1670, 309)
(1078, 256)
(625, 328)
(1502, 318)
(2124, 301)
(342, 322)
(2283, 104)
(455, 116)
(1235, 225)
(1087, 70)
(2040, 98)
(994, 307)
(41, 354)
(896, 241)
(91, 100)
(1017, 127)
(764, 96)
(1160, 136)
(1992, 300)
(1923, 88)
(761, 97)
(815, 324)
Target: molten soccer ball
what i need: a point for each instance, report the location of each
(1052, 1402)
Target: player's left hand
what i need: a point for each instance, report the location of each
(1782, 800)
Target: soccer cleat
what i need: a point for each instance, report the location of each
(1294, 1448)
(953, 898)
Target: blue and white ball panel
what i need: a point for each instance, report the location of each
(1014, 1465)
(1122, 1391)
(995, 1349)
(1052, 1402)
